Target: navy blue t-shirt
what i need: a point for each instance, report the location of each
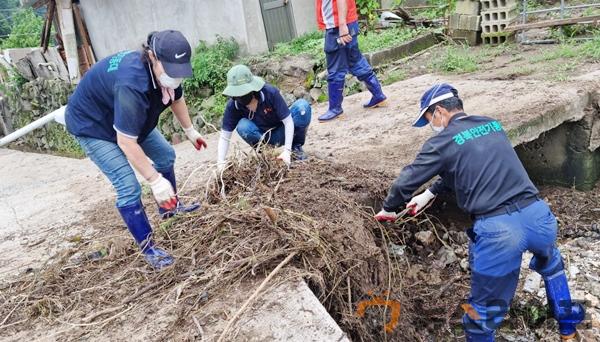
(117, 94)
(270, 111)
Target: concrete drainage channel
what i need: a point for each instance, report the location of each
(567, 155)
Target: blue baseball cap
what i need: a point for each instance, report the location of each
(433, 95)
(174, 52)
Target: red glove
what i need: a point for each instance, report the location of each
(195, 138)
(386, 216)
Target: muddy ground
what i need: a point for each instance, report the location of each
(421, 262)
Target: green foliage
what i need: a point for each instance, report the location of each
(210, 64)
(6, 7)
(591, 48)
(311, 43)
(441, 9)
(379, 40)
(456, 60)
(393, 76)
(25, 31)
(366, 8)
(569, 49)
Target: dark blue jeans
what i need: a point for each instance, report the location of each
(301, 114)
(111, 160)
(342, 59)
(495, 260)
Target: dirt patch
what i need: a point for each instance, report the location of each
(316, 210)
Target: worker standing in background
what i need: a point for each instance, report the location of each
(113, 114)
(339, 19)
(474, 157)
(258, 112)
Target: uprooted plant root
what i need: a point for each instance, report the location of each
(255, 215)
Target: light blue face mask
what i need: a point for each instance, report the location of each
(436, 129)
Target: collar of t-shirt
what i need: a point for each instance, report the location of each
(241, 107)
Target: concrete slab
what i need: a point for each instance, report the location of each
(383, 138)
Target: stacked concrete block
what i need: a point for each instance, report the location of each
(495, 16)
(465, 23)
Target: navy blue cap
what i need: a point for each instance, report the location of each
(174, 52)
(433, 95)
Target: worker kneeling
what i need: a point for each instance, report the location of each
(259, 113)
(474, 158)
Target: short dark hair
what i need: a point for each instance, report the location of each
(453, 103)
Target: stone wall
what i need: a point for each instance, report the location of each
(21, 105)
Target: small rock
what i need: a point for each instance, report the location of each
(395, 249)
(445, 256)
(532, 282)
(573, 271)
(315, 93)
(322, 75)
(289, 98)
(541, 293)
(208, 103)
(592, 300)
(426, 238)
(464, 264)
(299, 92)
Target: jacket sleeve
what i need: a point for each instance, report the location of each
(427, 165)
(439, 187)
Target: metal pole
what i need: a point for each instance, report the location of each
(524, 20)
(55, 115)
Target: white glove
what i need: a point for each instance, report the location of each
(420, 201)
(286, 157)
(386, 216)
(195, 137)
(163, 193)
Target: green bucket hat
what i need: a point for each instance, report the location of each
(240, 81)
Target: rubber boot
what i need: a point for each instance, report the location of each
(137, 222)
(566, 312)
(298, 153)
(378, 99)
(470, 337)
(299, 139)
(180, 208)
(336, 96)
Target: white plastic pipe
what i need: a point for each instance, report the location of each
(57, 115)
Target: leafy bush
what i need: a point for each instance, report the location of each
(311, 43)
(367, 9)
(379, 40)
(456, 60)
(26, 30)
(210, 64)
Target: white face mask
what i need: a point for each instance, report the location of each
(436, 129)
(168, 82)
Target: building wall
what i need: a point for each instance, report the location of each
(116, 25)
(304, 16)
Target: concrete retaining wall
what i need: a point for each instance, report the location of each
(406, 49)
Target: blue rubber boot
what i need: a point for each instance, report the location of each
(470, 337)
(566, 312)
(336, 96)
(180, 208)
(137, 222)
(378, 99)
(298, 153)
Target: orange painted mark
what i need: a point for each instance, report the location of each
(380, 301)
(470, 311)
